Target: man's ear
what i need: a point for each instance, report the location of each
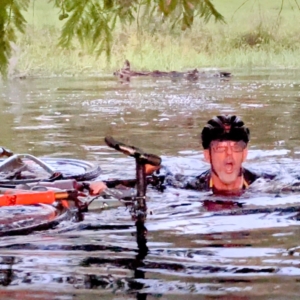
(206, 153)
(245, 153)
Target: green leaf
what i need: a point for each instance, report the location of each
(11, 21)
(92, 22)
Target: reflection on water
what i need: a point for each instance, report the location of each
(200, 246)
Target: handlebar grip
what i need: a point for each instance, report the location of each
(111, 142)
(128, 150)
(145, 158)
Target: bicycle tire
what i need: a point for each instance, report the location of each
(38, 217)
(77, 169)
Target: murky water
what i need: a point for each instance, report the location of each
(240, 253)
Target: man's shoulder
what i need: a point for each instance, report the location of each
(251, 176)
(200, 182)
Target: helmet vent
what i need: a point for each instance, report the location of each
(227, 127)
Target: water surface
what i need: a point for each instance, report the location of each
(194, 253)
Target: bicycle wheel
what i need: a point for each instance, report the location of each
(22, 220)
(77, 169)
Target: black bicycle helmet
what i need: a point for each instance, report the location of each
(224, 128)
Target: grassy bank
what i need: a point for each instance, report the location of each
(254, 36)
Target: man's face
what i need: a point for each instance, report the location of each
(226, 159)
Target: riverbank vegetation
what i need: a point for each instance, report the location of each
(257, 34)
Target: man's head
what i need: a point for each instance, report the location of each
(225, 139)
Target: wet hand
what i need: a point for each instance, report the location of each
(149, 169)
(97, 187)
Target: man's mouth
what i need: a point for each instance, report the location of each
(229, 167)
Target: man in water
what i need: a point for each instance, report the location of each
(225, 141)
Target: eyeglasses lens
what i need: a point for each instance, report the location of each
(222, 146)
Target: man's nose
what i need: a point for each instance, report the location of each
(229, 150)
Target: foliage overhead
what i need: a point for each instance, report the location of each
(11, 21)
(92, 22)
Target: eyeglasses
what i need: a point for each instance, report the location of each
(222, 146)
